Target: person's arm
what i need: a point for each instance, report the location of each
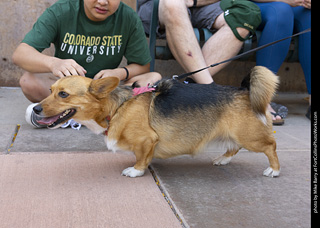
(133, 69)
(28, 54)
(31, 60)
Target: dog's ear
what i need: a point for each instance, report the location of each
(100, 88)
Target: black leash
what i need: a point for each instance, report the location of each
(175, 77)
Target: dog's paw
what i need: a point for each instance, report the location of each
(132, 172)
(269, 172)
(222, 160)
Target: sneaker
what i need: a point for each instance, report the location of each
(32, 117)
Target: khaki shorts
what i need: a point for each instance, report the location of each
(201, 17)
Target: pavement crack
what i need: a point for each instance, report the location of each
(167, 198)
(12, 139)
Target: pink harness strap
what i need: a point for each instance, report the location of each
(137, 91)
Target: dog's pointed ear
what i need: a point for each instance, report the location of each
(100, 88)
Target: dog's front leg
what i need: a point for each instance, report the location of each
(144, 154)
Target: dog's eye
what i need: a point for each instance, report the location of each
(63, 94)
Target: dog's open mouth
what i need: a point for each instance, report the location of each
(56, 120)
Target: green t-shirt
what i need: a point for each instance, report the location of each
(94, 45)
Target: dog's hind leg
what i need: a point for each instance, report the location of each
(274, 169)
(268, 147)
(225, 158)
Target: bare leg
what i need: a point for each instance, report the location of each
(181, 38)
(36, 87)
(222, 45)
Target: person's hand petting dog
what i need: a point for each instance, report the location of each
(66, 67)
(118, 72)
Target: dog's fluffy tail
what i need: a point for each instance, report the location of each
(263, 85)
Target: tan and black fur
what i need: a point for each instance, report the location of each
(175, 119)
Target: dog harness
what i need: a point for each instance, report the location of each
(139, 90)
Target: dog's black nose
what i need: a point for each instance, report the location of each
(37, 109)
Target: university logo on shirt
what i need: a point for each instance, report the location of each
(91, 45)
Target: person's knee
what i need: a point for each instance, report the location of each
(170, 5)
(33, 88)
(156, 77)
(168, 10)
(26, 82)
(28, 87)
(143, 80)
(152, 77)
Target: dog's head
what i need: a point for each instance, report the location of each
(76, 97)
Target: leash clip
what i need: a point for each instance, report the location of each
(174, 77)
(152, 86)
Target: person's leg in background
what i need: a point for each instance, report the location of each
(302, 21)
(277, 23)
(174, 17)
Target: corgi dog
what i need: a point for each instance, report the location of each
(172, 120)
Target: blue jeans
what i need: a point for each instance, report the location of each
(280, 20)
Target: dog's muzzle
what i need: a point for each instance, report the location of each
(37, 109)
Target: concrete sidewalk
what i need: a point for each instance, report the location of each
(67, 178)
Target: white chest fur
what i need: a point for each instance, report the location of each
(97, 129)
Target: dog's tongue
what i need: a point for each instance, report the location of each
(48, 120)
